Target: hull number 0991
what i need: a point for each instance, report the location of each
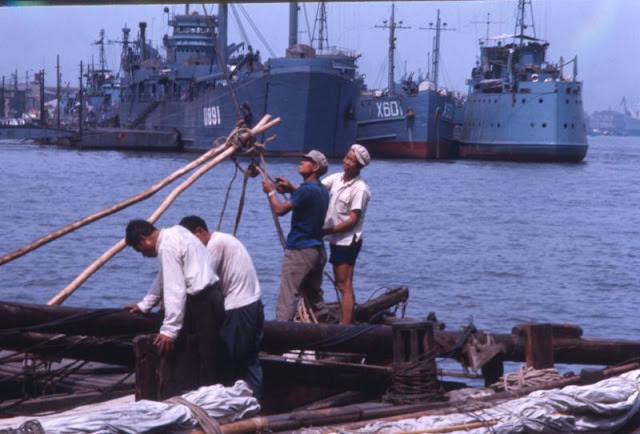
(211, 116)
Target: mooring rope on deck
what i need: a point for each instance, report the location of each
(526, 377)
(415, 381)
(208, 424)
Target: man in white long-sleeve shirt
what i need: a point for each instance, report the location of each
(187, 285)
(241, 332)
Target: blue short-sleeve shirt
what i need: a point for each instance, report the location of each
(310, 202)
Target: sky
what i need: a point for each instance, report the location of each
(601, 33)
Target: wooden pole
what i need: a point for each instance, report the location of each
(69, 289)
(539, 346)
(464, 426)
(108, 211)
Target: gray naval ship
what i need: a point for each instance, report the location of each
(200, 91)
(410, 119)
(615, 123)
(520, 106)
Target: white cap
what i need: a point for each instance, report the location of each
(362, 155)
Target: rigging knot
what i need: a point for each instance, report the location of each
(243, 138)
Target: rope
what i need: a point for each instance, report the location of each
(304, 314)
(29, 427)
(243, 193)
(208, 424)
(455, 351)
(415, 381)
(262, 168)
(52, 377)
(526, 377)
(256, 30)
(226, 196)
(351, 333)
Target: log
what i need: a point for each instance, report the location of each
(392, 297)
(281, 336)
(95, 349)
(373, 340)
(77, 321)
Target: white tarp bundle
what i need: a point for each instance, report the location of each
(601, 407)
(123, 415)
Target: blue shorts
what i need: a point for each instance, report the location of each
(345, 254)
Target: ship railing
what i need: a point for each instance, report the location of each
(337, 51)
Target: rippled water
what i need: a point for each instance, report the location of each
(498, 242)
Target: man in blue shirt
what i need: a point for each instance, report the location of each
(304, 256)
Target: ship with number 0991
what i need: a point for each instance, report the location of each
(204, 86)
(521, 107)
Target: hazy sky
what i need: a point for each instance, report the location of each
(602, 33)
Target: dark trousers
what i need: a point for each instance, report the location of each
(241, 336)
(198, 343)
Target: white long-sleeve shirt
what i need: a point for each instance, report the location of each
(238, 277)
(185, 268)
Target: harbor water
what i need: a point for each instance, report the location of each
(498, 243)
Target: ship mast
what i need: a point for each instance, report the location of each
(223, 23)
(521, 23)
(321, 20)
(435, 62)
(392, 26)
(100, 42)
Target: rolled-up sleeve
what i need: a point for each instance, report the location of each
(360, 200)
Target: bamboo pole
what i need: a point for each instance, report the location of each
(464, 426)
(263, 125)
(108, 211)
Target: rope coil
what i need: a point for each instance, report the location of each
(525, 377)
(415, 381)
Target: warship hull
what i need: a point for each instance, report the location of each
(520, 106)
(314, 101)
(408, 126)
(542, 122)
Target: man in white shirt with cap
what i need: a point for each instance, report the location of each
(348, 199)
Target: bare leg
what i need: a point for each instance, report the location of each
(344, 280)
